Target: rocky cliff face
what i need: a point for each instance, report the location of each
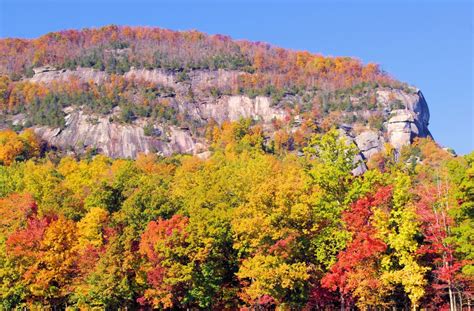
(49, 74)
(405, 124)
(118, 140)
(401, 123)
(84, 131)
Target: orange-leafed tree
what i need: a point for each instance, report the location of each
(18, 147)
(45, 252)
(15, 210)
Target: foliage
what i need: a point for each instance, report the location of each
(249, 227)
(14, 147)
(115, 49)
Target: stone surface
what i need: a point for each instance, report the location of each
(43, 69)
(119, 140)
(235, 107)
(360, 166)
(156, 76)
(405, 124)
(114, 139)
(83, 74)
(369, 143)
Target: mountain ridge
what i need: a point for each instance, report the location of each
(126, 90)
(309, 185)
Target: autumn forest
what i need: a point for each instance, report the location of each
(243, 229)
(257, 224)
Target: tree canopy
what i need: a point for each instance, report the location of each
(247, 228)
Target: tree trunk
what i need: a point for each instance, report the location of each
(450, 298)
(460, 300)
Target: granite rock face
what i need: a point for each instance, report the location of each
(155, 76)
(403, 125)
(405, 115)
(401, 129)
(235, 107)
(49, 74)
(118, 140)
(84, 131)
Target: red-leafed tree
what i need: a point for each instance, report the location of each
(447, 285)
(164, 247)
(356, 274)
(25, 243)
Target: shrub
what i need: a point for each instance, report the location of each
(182, 76)
(397, 104)
(127, 115)
(149, 130)
(376, 121)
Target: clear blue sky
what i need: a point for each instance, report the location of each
(428, 44)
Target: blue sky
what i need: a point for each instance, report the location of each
(428, 44)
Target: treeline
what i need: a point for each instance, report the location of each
(242, 229)
(115, 49)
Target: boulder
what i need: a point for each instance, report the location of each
(410, 121)
(369, 143)
(402, 128)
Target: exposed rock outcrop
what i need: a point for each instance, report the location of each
(411, 121)
(116, 140)
(235, 107)
(83, 74)
(155, 76)
(401, 128)
(39, 70)
(369, 143)
(345, 131)
(405, 115)
(120, 140)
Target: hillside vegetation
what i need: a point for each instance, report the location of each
(167, 84)
(143, 168)
(115, 49)
(242, 229)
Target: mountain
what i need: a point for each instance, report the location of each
(125, 90)
(271, 213)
